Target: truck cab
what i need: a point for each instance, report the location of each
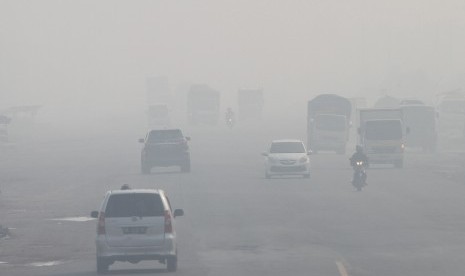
(382, 135)
(203, 105)
(328, 123)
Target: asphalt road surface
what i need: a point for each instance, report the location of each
(407, 221)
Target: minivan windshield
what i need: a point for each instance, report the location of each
(287, 147)
(134, 205)
(383, 130)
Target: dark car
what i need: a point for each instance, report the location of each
(165, 148)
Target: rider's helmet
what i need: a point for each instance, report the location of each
(359, 149)
(125, 187)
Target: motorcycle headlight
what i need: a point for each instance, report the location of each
(303, 159)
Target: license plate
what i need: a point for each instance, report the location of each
(134, 230)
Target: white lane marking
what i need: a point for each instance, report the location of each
(342, 269)
(77, 219)
(42, 264)
(3, 263)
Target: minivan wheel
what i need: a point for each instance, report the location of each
(172, 263)
(102, 266)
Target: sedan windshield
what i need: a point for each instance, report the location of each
(287, 147)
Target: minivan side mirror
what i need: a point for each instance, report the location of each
(310, 152)
(94, 214)
(141, 140)
(264, 153)
(188, 138)
(178, 213)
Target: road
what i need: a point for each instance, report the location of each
(407, 221)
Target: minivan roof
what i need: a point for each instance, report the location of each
(286, 141)
(139, 191)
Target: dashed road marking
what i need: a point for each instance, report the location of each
(76, 219)
(45, 264)
(342, 269)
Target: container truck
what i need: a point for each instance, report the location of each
(382, 134)
(203, 105)
(328, 123)
(421, 120)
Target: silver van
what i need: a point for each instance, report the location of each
(135, 225)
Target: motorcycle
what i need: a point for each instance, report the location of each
(359, 180)
(230, 122)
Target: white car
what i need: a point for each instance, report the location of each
(135, 225)
(287, 157)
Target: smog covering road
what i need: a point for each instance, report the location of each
(82, 82)
(406, 222)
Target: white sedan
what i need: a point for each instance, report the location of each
(287, 157)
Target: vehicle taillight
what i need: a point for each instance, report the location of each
(168, 222)
(101, 224)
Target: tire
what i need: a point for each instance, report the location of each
(102, 266)
(172, 263)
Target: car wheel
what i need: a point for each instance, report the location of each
(172, 263)
(102, 266)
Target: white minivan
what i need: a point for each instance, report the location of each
(135, 225)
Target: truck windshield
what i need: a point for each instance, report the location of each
(419, 119)
(383, 130)
(287, 147)
(330, 122)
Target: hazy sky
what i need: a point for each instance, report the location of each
(98, 53)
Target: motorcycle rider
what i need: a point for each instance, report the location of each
(359, 155)
(229, 116)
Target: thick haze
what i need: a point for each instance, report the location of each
(67, 55)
